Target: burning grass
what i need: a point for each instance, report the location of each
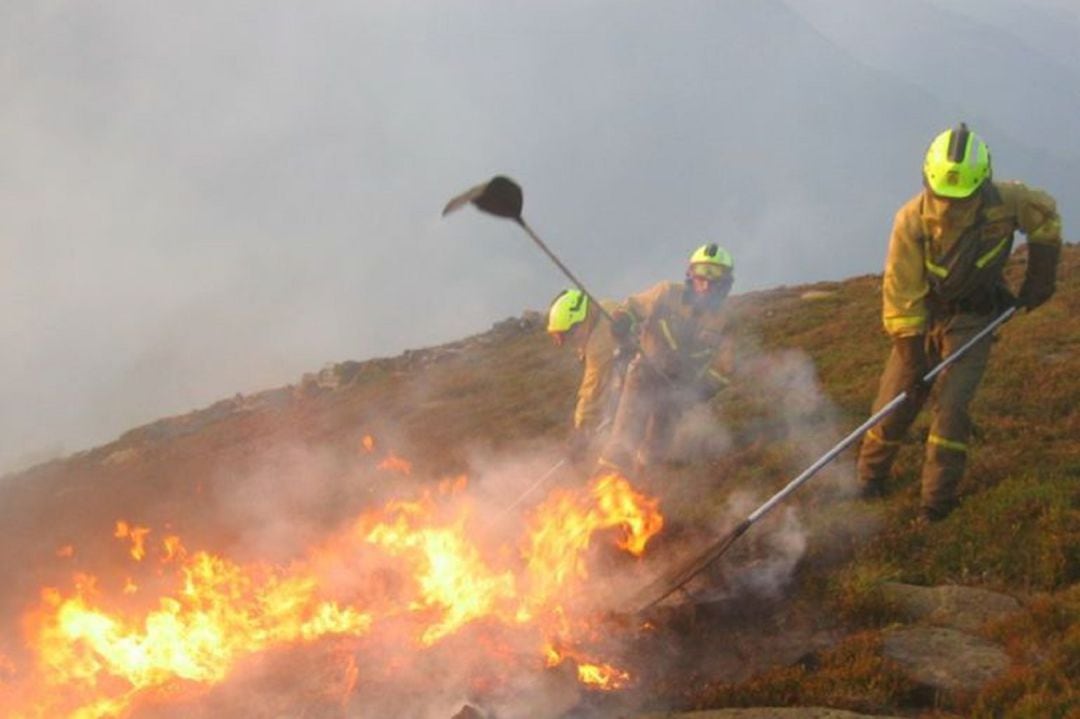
(411, 577)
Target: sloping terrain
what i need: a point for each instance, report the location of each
(795, 616)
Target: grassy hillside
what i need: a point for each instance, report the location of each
(817, 352)
(1017, 531)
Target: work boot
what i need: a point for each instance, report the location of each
(874, 463)
(931, 515)
(871, 489)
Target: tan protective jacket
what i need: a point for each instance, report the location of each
(597, 352)
(944, 252)
(682, 337)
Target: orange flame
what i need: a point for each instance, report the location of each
(95, 655)
(219, 613)
(597, 675)
(393, 463)
(564, 524)
(136, 534)
(172, 548)
(602, 676)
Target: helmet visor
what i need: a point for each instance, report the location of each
(708, 271)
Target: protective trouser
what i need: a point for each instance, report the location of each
(950, 427)
(644, 421)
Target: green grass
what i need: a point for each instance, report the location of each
(1017, 531)
(853, 675)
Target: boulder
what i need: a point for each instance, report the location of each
(962, 608)
(951, 663)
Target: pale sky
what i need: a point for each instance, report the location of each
(204, 198)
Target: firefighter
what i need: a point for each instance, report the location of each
(604, 347)
(943, 283)
(684, 359)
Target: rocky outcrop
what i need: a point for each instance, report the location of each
(937, 646)
(966, 609)
(941, 650)
(951, 663)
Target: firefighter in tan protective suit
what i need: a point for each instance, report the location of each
(684, 359)
(604, 345)
(943, 283)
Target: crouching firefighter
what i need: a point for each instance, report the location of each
(604, 347)
(942, 284)
(684, 360)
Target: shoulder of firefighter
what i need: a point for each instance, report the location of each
(937, 257)
(683, 339)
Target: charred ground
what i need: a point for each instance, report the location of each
(508, 391)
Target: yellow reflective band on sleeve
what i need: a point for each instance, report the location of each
(905, 324)
(935, 269)
(981, 262)
(667, 335)
(947, 443)
(719, 378)
(875, 435)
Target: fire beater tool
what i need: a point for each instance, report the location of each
(502, 197)
(671, 582)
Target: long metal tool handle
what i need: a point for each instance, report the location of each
(566, 271)
(716, 550)
(521, 498)
(592, 300)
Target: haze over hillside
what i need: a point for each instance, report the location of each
(193, 205)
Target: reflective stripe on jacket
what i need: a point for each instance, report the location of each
(945, 250)
(682, 336)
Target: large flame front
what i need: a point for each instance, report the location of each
(96, 653)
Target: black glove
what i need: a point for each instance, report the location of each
(1040, 280)
(622, 325)
(912, 353)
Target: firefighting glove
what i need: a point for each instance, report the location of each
(1039, 282)
(912, 353)
(622, 324)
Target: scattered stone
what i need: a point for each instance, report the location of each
(121, 456)
(966, 609)
(947, 661)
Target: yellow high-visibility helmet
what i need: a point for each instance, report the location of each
(710, 261)
(567, 309)
(957, 163)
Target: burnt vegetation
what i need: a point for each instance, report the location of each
(508, 391)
